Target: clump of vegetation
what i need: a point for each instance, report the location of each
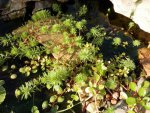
(61, 58)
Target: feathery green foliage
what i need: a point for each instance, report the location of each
(60, 57)
(40, 15)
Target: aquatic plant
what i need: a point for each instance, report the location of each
(61, 58)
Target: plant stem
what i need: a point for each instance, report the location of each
(72, 106)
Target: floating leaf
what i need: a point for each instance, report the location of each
(44, 104)
(13, 66)
(131, 101)
(133, 86)
(13, 76)
(17, 92)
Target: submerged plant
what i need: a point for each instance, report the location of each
(87, 53)
(136, 43)
(128, 63)
(83, 10)
(55, 76)
(116, 41)
(97, 35)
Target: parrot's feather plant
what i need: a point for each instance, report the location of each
(61, 58)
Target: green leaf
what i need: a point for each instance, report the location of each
(100, 87)
(142, 92)
(147, 106)
(60, 99)
(13, 76)
(35, 109)
(111, 84)
(83, 10)
(17, 93)
(40, 15)
(116, 41)
(48, 86)
(133, 86)
(131, 24)
(54, 109)
(2, 82)
(146, 84)
(136, 43)
(131, 101)
(4, 68)
(109, 110)
(44, 104)
(103, 92)
(2, 94)
(75, 97)
(53, 98)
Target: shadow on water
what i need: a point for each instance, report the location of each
(8, 26)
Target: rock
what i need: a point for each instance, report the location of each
(141, 15)
(147, 111)
(121, 107)
(144, 57)
(41, 5)
(119, 110)
(92, 108)
(12, 9)
(137, 10)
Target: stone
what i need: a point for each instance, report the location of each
(12, 9)
(137, 10)
(144, 58)
(147, 111)
(119, 110)
(121, 107)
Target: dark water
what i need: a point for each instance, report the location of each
(8, 26)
